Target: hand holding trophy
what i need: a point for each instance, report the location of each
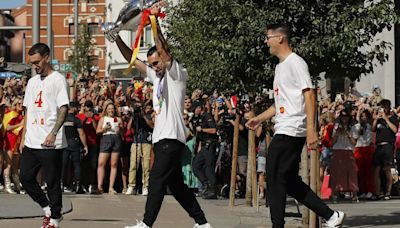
(130, 17)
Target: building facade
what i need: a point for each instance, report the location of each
(6, 19)
(91, 12)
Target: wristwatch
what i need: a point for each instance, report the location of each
(54, 133)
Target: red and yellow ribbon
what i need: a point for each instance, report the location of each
(146, 15)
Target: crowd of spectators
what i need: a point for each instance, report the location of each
(359, 140)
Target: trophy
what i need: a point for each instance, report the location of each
(128, 19)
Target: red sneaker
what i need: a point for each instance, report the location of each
(51, 225)
(46, 221)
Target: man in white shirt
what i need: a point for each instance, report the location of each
(169, 137)
(294, 112)
(43, 139)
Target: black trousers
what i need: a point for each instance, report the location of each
(51, 161)
(167, 171)
(284, 155)
(204, 164)
(75, 157)
(89, 166)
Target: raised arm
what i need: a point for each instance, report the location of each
(127, 53)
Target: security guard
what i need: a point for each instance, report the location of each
(76, 138)
(204, 161)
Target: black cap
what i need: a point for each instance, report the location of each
(89, 104)
(73, 104)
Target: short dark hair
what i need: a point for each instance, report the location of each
(385, 102)
(40, 48)
(282, 28)
(151, 51)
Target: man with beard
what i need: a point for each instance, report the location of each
(43, 138)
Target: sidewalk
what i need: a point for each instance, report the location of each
(112, 211)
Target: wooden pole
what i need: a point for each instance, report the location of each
(306, 180)
(319, 220)
(313, 183)
(254, 180)
(234, 162)
(251, 177)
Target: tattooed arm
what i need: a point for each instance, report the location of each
(51, 138)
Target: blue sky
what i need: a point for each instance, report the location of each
(10, 4)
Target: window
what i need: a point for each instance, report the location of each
(94, 28)
(147, 38)
(71, 28)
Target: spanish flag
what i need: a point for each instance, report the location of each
(6, 121)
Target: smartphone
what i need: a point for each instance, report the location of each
(48, 147)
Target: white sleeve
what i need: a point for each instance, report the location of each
(354, 132)
(302, 75)
(27, 94)
(177, 72)
(61, 93)
(150, 75)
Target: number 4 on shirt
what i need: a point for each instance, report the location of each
(38, 101)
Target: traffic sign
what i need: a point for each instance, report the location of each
(8, 75)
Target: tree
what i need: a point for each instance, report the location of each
(82, 58)
(221, 42)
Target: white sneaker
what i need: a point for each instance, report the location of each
(336, 220)
(261, 196)
(362, 196)
(129, 191)
(145, 191)
(207, 225)
(139, 224)
(368, 195)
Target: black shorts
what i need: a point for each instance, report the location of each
(110, 144)
(383, 155)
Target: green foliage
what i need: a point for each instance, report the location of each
(82, 59)
(221, 42)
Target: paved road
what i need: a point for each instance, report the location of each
(109, 211)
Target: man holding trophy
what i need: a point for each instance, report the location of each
(169, 136)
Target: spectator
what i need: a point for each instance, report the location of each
(127, 140)
(142, 124)
(110, 127)
(89, 120)
(385, 125)
(364, 150)
(13, 124)
(343, 166)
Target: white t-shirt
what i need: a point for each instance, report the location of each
(291, 78)
(169, 123)
(366, 138)
(43, 98)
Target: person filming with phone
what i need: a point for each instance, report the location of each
(142, 124)
(385, 125)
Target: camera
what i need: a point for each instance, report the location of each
(196, 121)
(137, 110)
(96, 110)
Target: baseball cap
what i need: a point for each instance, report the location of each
(73, 104)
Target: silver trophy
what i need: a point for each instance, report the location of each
(128, 19)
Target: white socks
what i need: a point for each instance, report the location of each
(47, 211)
